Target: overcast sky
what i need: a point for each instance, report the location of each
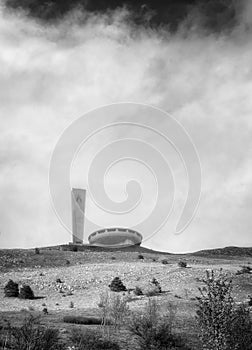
(52, 74)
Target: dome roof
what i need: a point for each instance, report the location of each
(115, 237)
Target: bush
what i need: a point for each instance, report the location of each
(140, 257)
(45, 311)
(151, 292)
(11, 289)
(117, 286)
(250, 301)
(182, 264)
(32, 336)
(152, 330)
(91, 340)
(156, 284)
(241, 329)
(153, 289)
(138, 291)
(244, 270)
(114, 309)
(164, 262)
(37, 251)
(118, 310)
(222, 326)
(26, 292)
(82, 320)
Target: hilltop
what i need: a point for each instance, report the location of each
(227, 251)
(64, 255)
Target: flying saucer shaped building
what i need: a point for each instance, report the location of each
(115, 237)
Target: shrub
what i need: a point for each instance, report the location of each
(45, 311)
(82, 320)
(153, 289)
(114, 309)
(222, 326)
(37, 251)
(118, 310)
(75, 248)
(164, 261)
(244, 270)
(113, 258)
(177, 296)
(182, 264)
(138, 291)
(31, 335)
(26, 292)
(117, 286)
(71, 305)
(241, 329)
(152, 330)
(11, 289)
(156, 284)
(140, 257)
(151, 292)
(58, 280)
(91, 340)
(250, 301)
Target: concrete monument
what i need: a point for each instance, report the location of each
(78, 214)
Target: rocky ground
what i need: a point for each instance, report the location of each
(83, 276)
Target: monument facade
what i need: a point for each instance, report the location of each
(78, 214)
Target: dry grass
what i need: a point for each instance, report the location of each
(89, 273)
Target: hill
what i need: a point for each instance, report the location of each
(66, 255)
(226, 252)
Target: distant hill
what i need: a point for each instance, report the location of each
(227, 251)
(86, 247)
(65, 255)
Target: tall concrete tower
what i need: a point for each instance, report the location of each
(78, 214)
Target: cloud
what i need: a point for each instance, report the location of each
(52, 74)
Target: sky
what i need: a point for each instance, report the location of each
(56, 68)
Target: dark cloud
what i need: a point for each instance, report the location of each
(215, 15)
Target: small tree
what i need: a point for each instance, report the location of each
(152, 330)
(138, 291)
(91, 340)
(182, 264)
(250, 301)
(221, 325)
(33, 336)
(114, 309)
(241, 329)
(164, 261)
(214, 312)
(156, 284)
(118, 310)
(37, 251)
(117, 286)
(11, 289)
(26, 292)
